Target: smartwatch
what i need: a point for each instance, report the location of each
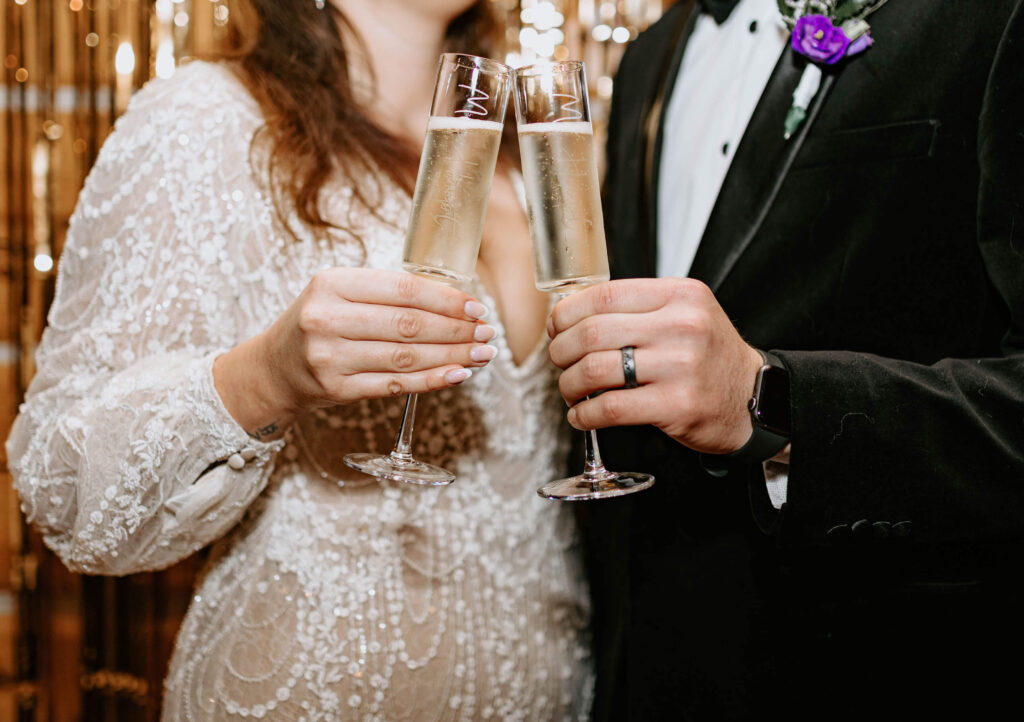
(769, 415)
(769, 411)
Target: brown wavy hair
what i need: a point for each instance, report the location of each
(293, 58)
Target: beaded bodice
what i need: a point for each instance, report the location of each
(327, 595)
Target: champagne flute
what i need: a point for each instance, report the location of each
(447, 219)
(563, 205)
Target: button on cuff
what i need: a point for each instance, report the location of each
(902, 529)
(881, 529)
(861, 528)
(839, 534)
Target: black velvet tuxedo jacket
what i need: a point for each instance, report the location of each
(879, 252)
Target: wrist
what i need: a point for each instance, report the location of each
(252, 392)
(769, 418)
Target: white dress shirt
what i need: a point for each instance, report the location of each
(713, 99)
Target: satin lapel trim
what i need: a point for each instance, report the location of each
(762, 161)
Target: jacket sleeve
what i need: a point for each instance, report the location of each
(939, 447)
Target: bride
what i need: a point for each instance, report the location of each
(230, 322)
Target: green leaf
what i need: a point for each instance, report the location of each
(794, 118)
(852, 8)
(786, 10)
(846, 10)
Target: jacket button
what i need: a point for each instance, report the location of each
(902, 529)
(861, 528)
(839, 534)
(881, 529)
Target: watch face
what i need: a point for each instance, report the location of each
(772, 408)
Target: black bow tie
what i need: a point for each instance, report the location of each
(719, 9)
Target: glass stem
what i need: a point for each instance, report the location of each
(593, 467)
(402, 453)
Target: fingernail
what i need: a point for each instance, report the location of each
(475, 310)
(483, 353)
(457, 376)
(571, 416)
(483, 333)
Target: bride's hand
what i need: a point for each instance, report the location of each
(352, 334)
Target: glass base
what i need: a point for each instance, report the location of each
(393, 468)
(581, 488)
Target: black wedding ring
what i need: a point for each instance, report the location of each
(629, 366)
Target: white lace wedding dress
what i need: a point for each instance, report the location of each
(327, 595)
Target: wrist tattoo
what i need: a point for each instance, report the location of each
(264, 431)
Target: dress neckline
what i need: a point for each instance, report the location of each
(529, 363)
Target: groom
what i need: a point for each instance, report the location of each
(833, 400)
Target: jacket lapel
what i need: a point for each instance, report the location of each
(630, 190)
(762, 162)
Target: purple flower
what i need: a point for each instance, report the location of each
(864, 42)
(816, 37)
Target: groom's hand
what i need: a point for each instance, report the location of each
(695, 373)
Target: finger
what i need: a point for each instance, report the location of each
(631, 295)
(386, 357)
(371, 322)
(392, 288)
(378, 385)
(598, 372)
(621, 407)
(601, 333)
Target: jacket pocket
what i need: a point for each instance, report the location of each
(893, 141)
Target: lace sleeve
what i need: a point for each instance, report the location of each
(123, 454)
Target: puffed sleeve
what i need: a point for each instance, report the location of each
(123, 455)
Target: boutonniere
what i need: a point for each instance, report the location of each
(825, 32)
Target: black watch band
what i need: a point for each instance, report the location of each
(769, 416)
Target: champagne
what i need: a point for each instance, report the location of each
(452, 189)
(563, 205)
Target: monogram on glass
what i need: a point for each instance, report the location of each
(563, 206)
(446, 223)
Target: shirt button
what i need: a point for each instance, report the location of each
(236, 462)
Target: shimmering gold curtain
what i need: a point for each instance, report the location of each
(86, 648)
(72, 647)
(595, 31)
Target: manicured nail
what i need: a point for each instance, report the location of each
(483, 353)
(457, 376)
(483, 333)
(475, 310)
